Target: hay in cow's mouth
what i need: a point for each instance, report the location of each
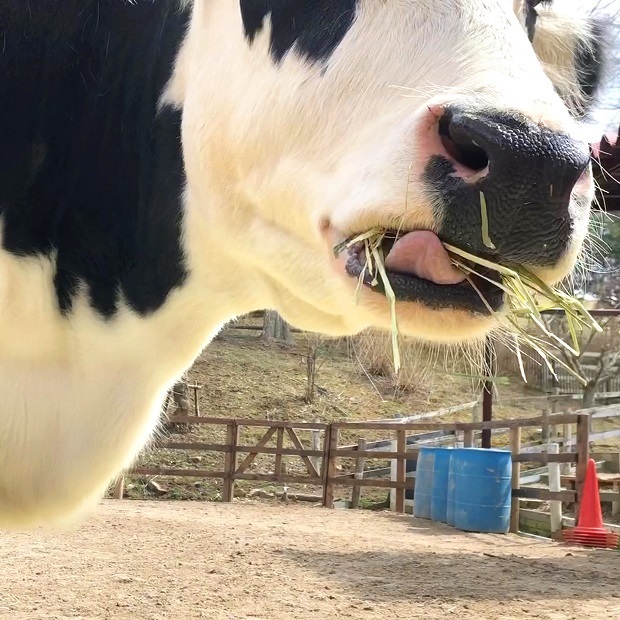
(485, 288)
(368, 255)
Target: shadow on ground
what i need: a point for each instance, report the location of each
(498, 573)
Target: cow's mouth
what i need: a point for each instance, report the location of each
(419, 269)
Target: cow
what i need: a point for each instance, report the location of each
(168, 165)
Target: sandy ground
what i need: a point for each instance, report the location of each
(156, 561)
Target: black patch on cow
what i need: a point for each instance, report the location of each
(314, 27)
(89, 170)
(589, 63)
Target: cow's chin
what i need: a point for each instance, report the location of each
(360, 310)
(416, 319)
(346, 310)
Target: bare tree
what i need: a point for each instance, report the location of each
(313, 344)
(276, 328)
(605, 344)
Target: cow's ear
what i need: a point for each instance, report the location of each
(572, 47)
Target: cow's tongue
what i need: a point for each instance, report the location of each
(421, 253)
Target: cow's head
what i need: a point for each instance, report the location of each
(306, 122)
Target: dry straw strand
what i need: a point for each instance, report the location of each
(520, 286)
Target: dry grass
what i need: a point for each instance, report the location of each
(526, 294)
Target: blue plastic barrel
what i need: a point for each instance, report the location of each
(482, 494)
(423, 483)
(439, 492)
(451, 487)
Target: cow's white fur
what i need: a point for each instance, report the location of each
(329, 153)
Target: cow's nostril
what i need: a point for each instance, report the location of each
(527, 173)
(462, 148)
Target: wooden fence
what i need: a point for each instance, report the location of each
(321, 461)
(236, 468)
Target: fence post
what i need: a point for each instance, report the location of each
(119, 488)
(568, 435)
(544, 431)
(393, 474)
(554, 485)
(468, 438)
(280, 445)
(401, 470)
(583, 451)
(230, 461)
(487, 391)
(359, 474)
(329, 465)
(315, 444)
(515, 448)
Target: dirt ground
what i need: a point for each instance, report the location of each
(169, 561)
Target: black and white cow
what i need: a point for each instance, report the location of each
(165, 166)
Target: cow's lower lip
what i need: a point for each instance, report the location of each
(410, 288)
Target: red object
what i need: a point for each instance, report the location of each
(590, 531)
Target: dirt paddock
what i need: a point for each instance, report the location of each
(169, 561)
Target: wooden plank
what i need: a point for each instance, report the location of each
(605, 435)
(373, 454)
(615, 504)
(401, 446)
(247, 461)
(419, 439)
(360, 463)
(562, 418)
(611, 496)
(242, 422)
(312, 470)
(545, 458)
(567, 432)
(370, 482)
(325, 461)
(544, 494)
(379, 472)
(280, 424)
(169, 471)
(230, 462)
(603, 478)
(282, 451)
(328, 496)
(545, 426)
(282, 478)
(610, 459)
(280, 446)
(430, 414)
(601, 413)
(468, 438)
(554, 485)
(582, 449)
(315, 442)
(190, 419)
(515, 448)
(205, 447)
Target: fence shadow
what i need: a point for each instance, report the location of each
(501, 575)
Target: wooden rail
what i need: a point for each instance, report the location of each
(238, 458)
(321, 461)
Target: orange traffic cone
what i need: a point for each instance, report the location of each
(590, 531)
